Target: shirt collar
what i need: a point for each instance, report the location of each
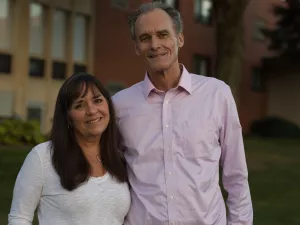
(185, 82)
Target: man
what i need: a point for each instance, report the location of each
(178, 128)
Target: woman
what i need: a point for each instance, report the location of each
(79, 176)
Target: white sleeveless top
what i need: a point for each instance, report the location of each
(99, 201)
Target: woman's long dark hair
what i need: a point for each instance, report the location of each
(67, 156)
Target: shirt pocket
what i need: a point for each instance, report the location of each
(200, 140)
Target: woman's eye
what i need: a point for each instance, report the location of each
(98, 100)
(78, 106)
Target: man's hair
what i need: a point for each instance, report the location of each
(147, 7)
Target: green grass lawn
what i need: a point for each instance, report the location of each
(274, 174)
(10, 163)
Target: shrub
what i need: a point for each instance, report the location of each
(275, 127)
(18, 132)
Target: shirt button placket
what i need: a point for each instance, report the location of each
(168, 156)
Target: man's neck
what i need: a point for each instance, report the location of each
(166, 80)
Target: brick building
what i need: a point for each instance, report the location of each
(44, 41)
(115, 60)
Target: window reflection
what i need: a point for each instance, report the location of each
(59, 35)
(80, 33)
(202, 10)
(4, 25)
(36, 29)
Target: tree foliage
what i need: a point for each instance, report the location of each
(285, 37)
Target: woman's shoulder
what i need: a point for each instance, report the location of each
(43, 150)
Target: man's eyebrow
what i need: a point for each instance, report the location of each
(143, 35)
(159, 32)
(163, 31)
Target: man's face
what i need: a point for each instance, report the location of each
(157, 41)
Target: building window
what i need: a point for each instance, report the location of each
(5, 28)
(34, 113)
(59, 70)
(36, 40)
(6, 99)
(257, 83)
(80, 43)
(59, 33)
(203, 11)
(114, 87)
(80, 36)
(36, 45)
(59, 43)
(258, 25)
(119, 4)
(5, 63)
(5, 36)
(202, 65)
(36, 67)
(172, 3)
(79, 68)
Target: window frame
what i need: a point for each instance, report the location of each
(258, 24)
(36, 105)
(57, 60)
(80, 63)
(119, 4)
(197, 58)
(114, 87)
(175, 4)
(199, 18)
(34, 56)
(256, 73)
(8, 52)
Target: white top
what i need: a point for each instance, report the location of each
(99, 201)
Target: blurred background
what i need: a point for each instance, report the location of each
(252, 45)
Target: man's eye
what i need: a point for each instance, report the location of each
(144, 39)
(163, 35)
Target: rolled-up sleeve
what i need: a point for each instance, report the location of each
(233, 163)
(27, 191)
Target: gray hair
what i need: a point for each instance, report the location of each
(147, 7)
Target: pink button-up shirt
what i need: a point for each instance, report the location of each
(175, 142)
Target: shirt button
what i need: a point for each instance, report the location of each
(167, 149)
(172, 197)
(172, 223)
(170, 173)
(167, 102)
(167, 125)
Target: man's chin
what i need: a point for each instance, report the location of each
(159, 68)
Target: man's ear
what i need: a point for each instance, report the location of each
(137, 52)
(180, 40)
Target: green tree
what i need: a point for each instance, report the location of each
(285, 37)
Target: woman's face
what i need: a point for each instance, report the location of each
(89, 113)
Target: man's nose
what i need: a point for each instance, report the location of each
(155, 43)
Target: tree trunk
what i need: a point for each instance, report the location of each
(229, 16)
